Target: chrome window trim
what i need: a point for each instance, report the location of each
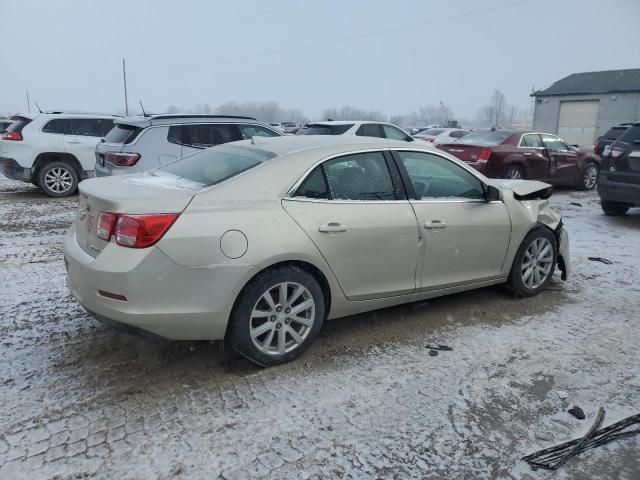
(343, 201)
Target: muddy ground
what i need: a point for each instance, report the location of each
(366, 401)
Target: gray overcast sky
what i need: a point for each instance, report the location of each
(67, 53)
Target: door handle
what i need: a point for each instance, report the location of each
(332, 227)
(73, 141)
(435, 225)
(527, 153)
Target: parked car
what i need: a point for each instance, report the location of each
(619, 186)
(528, 155)
(441, 135)
(4, 124)
(259, 242)
(357, 128)
(290, 127)
(137, 144)
(52, 150)
(609, 137)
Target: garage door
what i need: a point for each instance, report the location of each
(578, 122)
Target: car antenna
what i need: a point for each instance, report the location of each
(144, 114)
(38, 106)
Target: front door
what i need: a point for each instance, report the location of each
(536, 161)
(464, 237)
(361, 223)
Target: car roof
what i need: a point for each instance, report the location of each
(344, 122)
(168, 119)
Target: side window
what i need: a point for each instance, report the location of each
(175, 134)
(458, 134)
(207, 135)
(84, 127)
(554, 143)
(314, 186)
(55, 126)
(250, 131)
(433, 176)
(394, 133)
(362, 176)
(370, 130)
(105, 126)
(532, 140)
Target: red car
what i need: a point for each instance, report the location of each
(529, 155)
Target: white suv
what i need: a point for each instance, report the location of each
(54, 151)
(356, 128)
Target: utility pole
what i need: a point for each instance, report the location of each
(28, 103)
(124, 77)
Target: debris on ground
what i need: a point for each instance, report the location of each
(577, 412)
(577, 204)
(433, 353)
(553, 458)
(442, 348)
(562, 394)
(606, 261)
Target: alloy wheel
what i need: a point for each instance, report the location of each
(58, 180)
(282, 318)
(590, 177)
(514, 174)
(537, 263)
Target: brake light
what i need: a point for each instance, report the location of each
(596, 149)
(15, 136)
(106, 225)
(122, 159)
(485, 153)
(141, 231)
(616, 152)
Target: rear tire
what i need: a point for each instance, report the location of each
(614, 208)
(514, 172)
(534, 263)
(277, 316)
(589, 178)
(58, 179)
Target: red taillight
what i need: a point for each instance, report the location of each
(122, 159)
(15, 136)
(141, 231)
(596, 149)
(106, 225)
(485, 153)
(616, 152)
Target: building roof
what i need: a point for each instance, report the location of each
(609, 81)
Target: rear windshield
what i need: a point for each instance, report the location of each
(122, 133)
(216, 164)
(18, 124)
(614, 133)
(327, 129)
(630, 135)
(430, 132)
(484, 138)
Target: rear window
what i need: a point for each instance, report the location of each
(484, 138)
(18, 124)
(631, 134)
(327, 129)
(614, 133)
(216, 164)
(122, 133)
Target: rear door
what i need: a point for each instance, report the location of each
(564, 160)
(81, 137)
(464, 238)
(354, 210)
(198, 136)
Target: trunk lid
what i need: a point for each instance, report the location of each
(468, 153)
(151, 192)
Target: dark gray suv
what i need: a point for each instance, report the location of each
(137, 144)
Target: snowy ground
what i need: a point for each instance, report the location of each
(367, 401)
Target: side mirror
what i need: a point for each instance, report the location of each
(492, 194)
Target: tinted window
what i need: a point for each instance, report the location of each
(630, 135)
(250, 131)
(326, 129)
(554, 143)
(55, 126)
(217, 164)
(122, 133)
(435, 177)
(363, 176)
(207, 135)
(370, 130)
(614, 133)
(85, 127)
(532, 140)
(485, 138)
(105, 126)
(394, 133)
(314, 186)
(18, 124)
(175, 134)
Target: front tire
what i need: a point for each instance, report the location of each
(614, 208)
(514, 172)
(589, 176)
(534, 263)
(58, 179)
(277, 316)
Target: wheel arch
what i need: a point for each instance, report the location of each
(515, 160)
(43, 158)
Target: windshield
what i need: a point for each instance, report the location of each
(214, 165)
(327, 129)
(484, 138)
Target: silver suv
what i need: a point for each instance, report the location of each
(137, 144)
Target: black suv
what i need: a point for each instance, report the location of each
(609, 137)
(619, 182)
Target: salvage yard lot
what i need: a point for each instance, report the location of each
(366, 401)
